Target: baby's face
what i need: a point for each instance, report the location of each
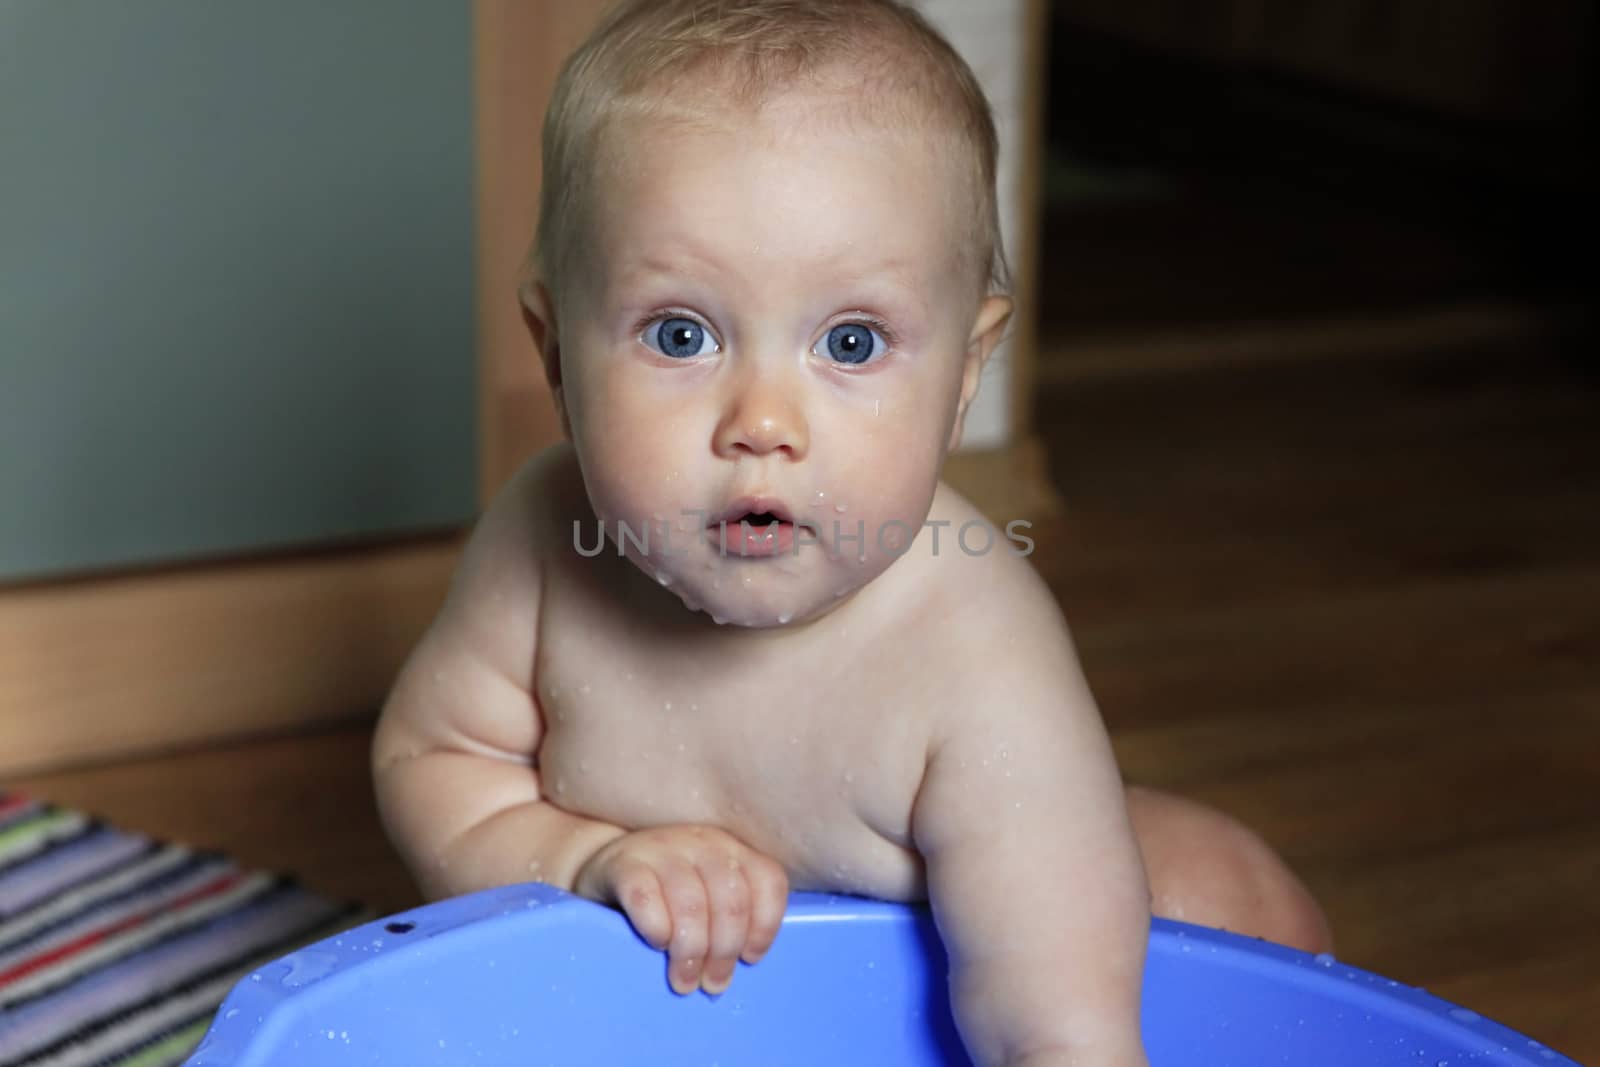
(773, 324)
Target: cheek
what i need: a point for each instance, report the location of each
(628, 442)
(882, 469)
(898, 435)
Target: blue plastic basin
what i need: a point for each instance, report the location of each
(528, 975)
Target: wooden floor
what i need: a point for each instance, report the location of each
(1357, 605)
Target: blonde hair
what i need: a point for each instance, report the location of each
(749, 50)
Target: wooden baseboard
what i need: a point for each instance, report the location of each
(94, 670)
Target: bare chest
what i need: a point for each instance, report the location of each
(816, 764)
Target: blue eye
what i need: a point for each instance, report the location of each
(679, 338)
(852, 343)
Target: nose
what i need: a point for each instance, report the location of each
(762, 416)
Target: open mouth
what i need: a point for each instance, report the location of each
(753, 527)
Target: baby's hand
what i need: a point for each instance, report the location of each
(698, 892)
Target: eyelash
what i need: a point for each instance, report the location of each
(863, 317)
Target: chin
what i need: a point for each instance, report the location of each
(756, 609)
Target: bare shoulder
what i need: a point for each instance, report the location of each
(520, 526)
(492, 611)
(485, 636)
(995, 626)
(980, 571)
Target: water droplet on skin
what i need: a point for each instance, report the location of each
(666, 706)
(861, 560)
(663, 578)
(783, 620)
(1325, 959)
(747, 581)
(535, 866)
(718, 619)
(840, 507)
(817, 501)
(877, 407)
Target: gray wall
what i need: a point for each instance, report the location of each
(235, 276)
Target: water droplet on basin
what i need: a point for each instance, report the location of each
(306, 966)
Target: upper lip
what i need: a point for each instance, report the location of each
(754, 505)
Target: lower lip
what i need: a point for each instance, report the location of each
(756, 542)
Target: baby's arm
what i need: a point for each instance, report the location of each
(1033, 872)
(458, 783)
(454, 755)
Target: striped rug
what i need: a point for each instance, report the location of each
(116, 949)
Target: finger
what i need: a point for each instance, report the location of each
(769, 897)
(686, 948)
(728, 903)
(640, 895)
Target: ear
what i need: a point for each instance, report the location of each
(539, 315)
(987, 329)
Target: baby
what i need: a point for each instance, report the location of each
(735, 638)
